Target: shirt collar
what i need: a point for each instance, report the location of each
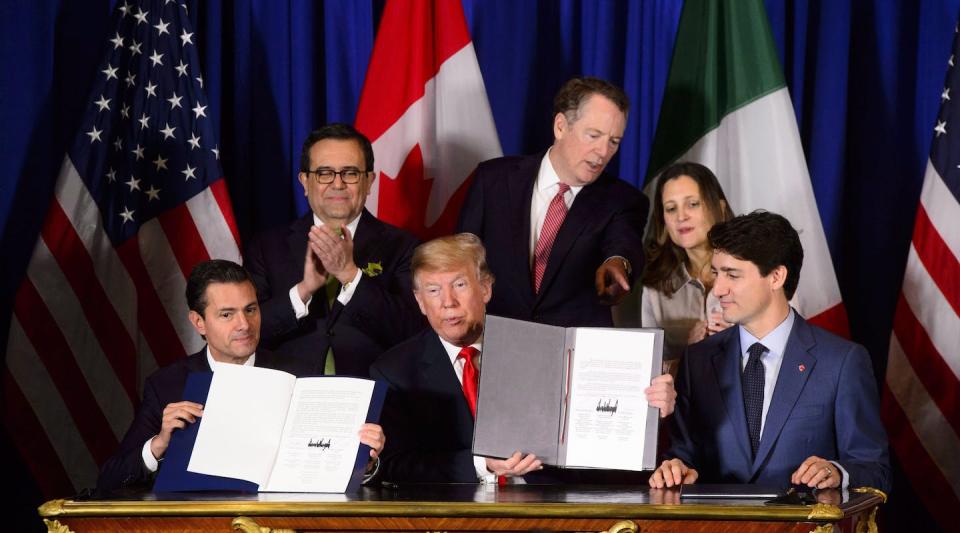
(212, 363)
(453, 351)
(775, 341)
(351, 226)
(547, 177)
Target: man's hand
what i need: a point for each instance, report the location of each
(672, 473)
(715, 322)
(516, 465)
(818, 473)
(314, 276)
(175, 416)
(372, 435)
(662, 395)
(334, 252)
(611, 281)
(698, 332)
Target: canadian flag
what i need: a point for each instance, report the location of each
(425, 109)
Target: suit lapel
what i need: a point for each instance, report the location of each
(584, 210)
(726, 364)
(438, 374)
(790, 383)
(520, 187)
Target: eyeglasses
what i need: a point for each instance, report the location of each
(326, 176)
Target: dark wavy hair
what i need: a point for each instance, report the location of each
(664, 257)
(765, 239)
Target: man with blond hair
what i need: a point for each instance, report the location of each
(433, 377)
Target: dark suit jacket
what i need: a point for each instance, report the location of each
(381, 313)
(125, 468)
(606, 219)
(829, 409)
(426, 419)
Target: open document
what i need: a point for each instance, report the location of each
(280, 433)
(572, 396)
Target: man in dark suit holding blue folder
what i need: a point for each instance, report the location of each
(224, 310)
(774, 401)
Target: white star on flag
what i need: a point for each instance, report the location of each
(133, 183)
(135, 48)
(194, 141)
(110, 71)
(160, 162)
(144, 121)
(117, 41)
(181, 69)
(151, 89)
(162, 27)
(188, 173)
(156, 58)
(127, 215)
(187, 38)
(138, 151)
(199, 110)
(941, 128)
(168, 131)
(94, 134)
(103, 103)
(153, 193)
(174, 101)
(141, 16)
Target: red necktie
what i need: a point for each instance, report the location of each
(470, 377)
(470, 380)
(556, 212)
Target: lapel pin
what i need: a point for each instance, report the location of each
(802, 367)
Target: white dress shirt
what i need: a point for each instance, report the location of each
(300, 309)
(151, 462)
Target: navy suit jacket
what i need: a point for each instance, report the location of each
(606, 219)
(825, 403)
(125, 468)
(426, 418)
(381, 313)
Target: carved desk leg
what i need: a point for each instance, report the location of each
(248, 525)
(623, 526)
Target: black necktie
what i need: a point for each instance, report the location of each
(753, 377)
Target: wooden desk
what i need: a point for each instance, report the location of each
(460, 508)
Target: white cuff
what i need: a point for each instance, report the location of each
(347, 290)
(299, 308)
(483, 475)
(149, 460)
(846, 477)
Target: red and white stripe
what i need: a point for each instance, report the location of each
(921, 404)
(92, 320)
(425, 108)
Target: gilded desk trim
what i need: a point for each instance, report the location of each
(818, 512)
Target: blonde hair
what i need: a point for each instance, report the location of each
(450, 253)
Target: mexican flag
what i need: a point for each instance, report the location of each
(726, 106)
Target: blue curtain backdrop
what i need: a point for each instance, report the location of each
(865, 77)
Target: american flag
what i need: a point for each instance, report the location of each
(139, 200)
(921, 404)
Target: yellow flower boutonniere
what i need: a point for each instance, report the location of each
(373, 269)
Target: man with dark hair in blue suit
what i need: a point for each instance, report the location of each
(224, 310)
(774, 401)
(563, 237)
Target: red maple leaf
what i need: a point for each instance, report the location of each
(403, 200)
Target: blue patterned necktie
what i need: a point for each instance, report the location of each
(753, 378)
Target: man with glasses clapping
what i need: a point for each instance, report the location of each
(334, 286)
